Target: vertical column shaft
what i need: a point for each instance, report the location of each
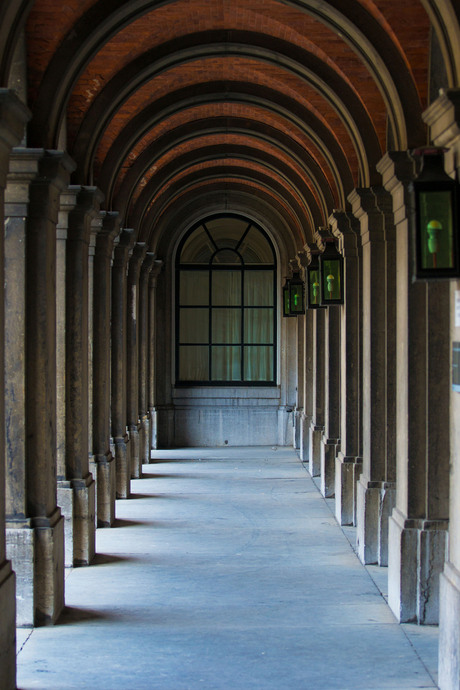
(144, 295)
(132, 331)
(13, 116)
(119, 374)
(154, 273)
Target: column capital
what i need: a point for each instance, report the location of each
(13, 117)
(443, 118)
(397, 169)
(135, 261)
(345, 227)
(105, 227)
(122, 246)
(311, 250)
(155, 272)
(147, 263)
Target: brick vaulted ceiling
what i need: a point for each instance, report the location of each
(289, 101)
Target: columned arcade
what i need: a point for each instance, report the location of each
(165, 168)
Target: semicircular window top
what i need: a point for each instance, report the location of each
(226, 304)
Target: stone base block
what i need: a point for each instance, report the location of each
(375, 501)
(144, 440)
(449, 629)
(122, 466)
(297, 424)
(7, 627)
(153, 430)
(20, 549)
(314, 455)
(347, 473)
(76, 499)
(105, 490)
(49, 568)
(304, 450)
(417, 550)
(134, 443)
(329, 449)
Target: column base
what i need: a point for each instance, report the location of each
(347, 472)
(8, 627)
(375, 501)
(304, 450)
(449, 628)
(105, 490)
(297, 426)
(314, 455)
(123, 466)
(153, 430)
(144, 440)
(134, 443)
(36, 550)
(329, 449)
(417, 550)
(76, 499)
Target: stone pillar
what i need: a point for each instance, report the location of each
(119, 378)
(330, 442)
(13, 116)
(153, 276)
(132, 331)
(418, 524)
(77, 492)
(318, 320)
(104, 469)
(376, 486)
(348, 464)
(144, 294)
(35, 523)
(443, 118)
(306, 412)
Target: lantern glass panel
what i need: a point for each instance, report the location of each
(332, 280)
(435, 230)
(296, 298)
(286, 301)
(314, 296)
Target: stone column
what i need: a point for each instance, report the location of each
(35, 523)
(418, 524)
(443, 118)
(144, 294)
(104, 470)
(330, 442)
(376, 486)
(349, 460)
(13, 116)
(132, 331)
(153, 277)
(119, 378)
(78, 492)
(307, 413)
(317, 385)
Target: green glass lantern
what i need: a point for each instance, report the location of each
(287, 298)
(296, 295)
(331, 274)
(434, 220)
(313, 284)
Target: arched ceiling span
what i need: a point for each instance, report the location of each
(292, 101)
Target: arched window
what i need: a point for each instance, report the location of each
(226, 304)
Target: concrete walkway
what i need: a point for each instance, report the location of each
(226, 570)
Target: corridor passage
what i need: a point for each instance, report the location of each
(226, 570)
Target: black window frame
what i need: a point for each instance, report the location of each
(210, 267)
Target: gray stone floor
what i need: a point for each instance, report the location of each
(226, 569)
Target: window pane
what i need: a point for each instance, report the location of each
(194, 287)
(258, 288)
(226, 288)
(226, 363)
(256, 249)
(197, 248)
(194, 326)
(258, 326)
(226, 232)
(226, 325)
(258, 363)
(193, 363)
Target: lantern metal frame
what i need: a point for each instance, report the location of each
(331, 274)
(434, 219)
(296, 295)
(313, 284)
(287, 298)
